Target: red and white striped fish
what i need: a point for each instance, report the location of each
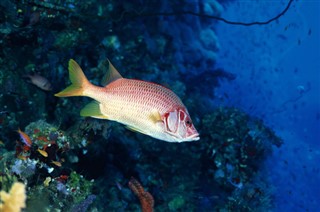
(142, 106)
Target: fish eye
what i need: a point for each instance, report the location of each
(188, 123)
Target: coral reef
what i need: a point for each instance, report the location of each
(46, 167)
(221, 172)
(146, 199)
(15, 200)
(240, 144)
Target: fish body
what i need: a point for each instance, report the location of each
(43, 153)
(25, 138)
(57, 163)
(142, 106)
(40, 82)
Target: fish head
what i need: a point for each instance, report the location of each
(178, 124)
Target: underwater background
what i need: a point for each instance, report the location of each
(248, 72)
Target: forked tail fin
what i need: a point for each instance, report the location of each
(78, 80)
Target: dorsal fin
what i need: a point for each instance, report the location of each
(111, 75)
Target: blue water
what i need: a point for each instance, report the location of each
(278, 79)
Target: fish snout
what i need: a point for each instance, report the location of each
(194, 137)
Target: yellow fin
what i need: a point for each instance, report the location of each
(155, 116)
(134, 129)
(78, 80)
(111, 75)
(93, 110)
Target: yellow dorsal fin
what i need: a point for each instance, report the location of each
(93, 110)
(111, 75)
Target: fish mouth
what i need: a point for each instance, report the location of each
(194, 137)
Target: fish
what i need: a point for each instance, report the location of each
(40, 81)
(57, 163)
(25, 138)
(22, 157)
(142, 106)
(47, 181)
(43, 153)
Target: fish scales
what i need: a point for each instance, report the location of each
(144, 93)
(132, 101)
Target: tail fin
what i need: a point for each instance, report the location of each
(78, 80)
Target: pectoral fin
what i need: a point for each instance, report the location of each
(155, 116)
(93, 110)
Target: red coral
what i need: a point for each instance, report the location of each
(36, 131)
(43, 138)
(146, 199)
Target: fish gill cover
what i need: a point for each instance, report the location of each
(245, 70)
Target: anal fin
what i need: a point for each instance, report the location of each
(134, 129)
